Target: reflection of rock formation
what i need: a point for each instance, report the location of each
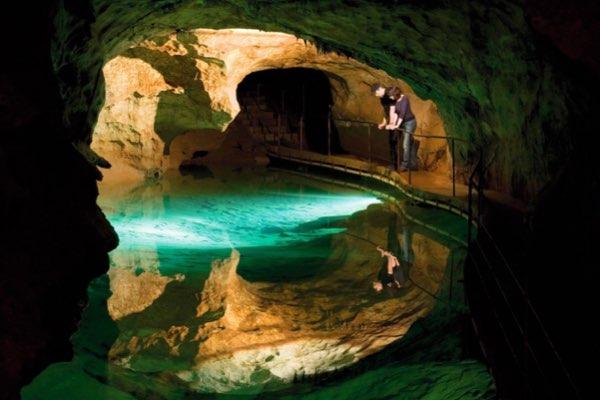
(135, 279)
(247, 333)
(133, 292)
(174, 94)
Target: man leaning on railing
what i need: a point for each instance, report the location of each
(388, 105)
(398, 117)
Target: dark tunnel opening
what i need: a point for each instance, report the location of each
(291, 107)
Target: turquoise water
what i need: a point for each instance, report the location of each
(181, 224)
(215, 221)
(171, 231)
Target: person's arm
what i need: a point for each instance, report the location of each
(393, 263)
(400, 112)
(393, 117)
(385, 112)
(385, 123)
(397, 124)
(390, 266)
(384, 253)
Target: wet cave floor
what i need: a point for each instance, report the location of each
(287, 308)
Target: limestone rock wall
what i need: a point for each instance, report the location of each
(181, 87)
(492, 79)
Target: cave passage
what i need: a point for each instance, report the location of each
(290, 105)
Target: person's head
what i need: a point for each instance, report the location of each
(394, 92)
(378, 286)
(378, 90)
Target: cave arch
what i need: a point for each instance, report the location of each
(171, 96)
(297, 102)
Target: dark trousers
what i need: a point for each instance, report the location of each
(393, 140)
(408, 158)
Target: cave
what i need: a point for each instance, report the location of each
(300, 100)
(164, 102)
(198, 199)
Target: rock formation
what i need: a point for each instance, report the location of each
(133, 293)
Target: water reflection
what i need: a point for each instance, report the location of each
(290, 297)
(233, 330)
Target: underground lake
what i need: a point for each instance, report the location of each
(257, 282)
(193, 193)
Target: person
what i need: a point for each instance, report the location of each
(405, 120)
(388, 105)
(392, 274)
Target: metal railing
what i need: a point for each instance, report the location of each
(508, 300)
(370, 125)
(475, 186)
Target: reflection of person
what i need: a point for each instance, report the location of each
(388, 105)
(407, 255)
(403, 118)
(392, 275)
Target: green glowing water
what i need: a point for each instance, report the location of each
(181, 224)
(173, 229)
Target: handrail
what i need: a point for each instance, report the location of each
(360, 122)
(451, 140)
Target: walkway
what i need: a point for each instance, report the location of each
(426, 187)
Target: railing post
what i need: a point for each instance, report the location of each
(369, 136)
(301, 132)
(470, 202)
(329, 132)
(408, 162)
(278, 131)
(397, 150)
(451, 275)
(302, 117)
(283, 111)
(480, 187)
(453, 171)
(469, 210)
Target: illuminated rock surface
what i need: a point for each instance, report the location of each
(494, 83)
(175, 94)
(132, 292)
